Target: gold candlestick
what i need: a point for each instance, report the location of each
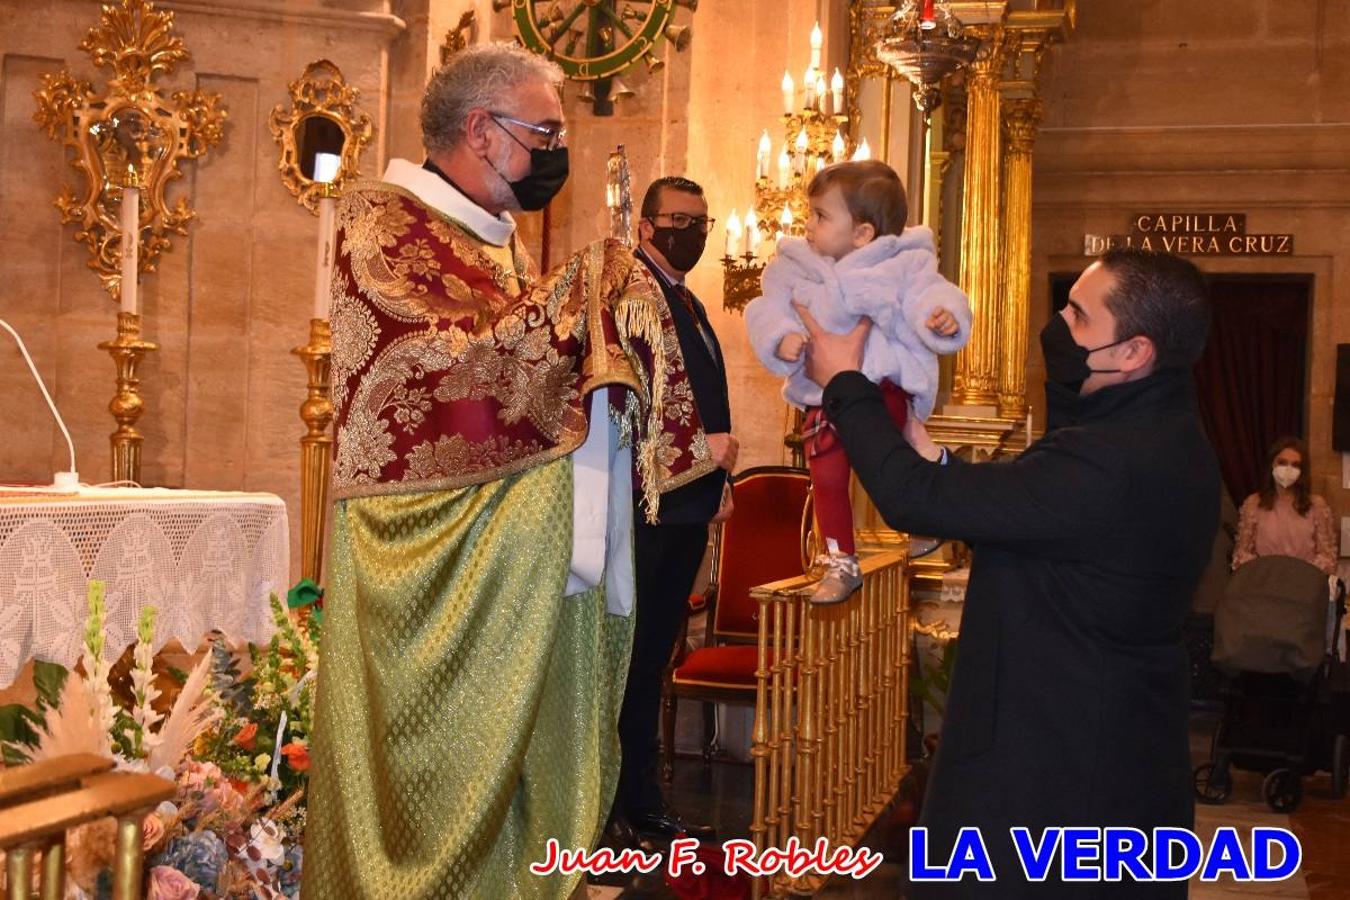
(315, 447)
(127, 405)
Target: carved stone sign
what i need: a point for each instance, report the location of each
(1192, 234)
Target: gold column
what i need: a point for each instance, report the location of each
(127, 405)
(315, 447)
(1021, 118)
(976, 382)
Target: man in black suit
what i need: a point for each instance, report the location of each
(673, 231)
(1068, 704)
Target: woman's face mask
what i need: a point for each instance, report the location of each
(1286, 474)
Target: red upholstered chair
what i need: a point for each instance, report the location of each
(762, 542)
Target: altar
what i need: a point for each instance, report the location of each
(206, 560)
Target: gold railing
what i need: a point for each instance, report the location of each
(831, 712)
(40, 801)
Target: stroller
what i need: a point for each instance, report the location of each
(1279, 639)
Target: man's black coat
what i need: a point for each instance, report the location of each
(1068, 702)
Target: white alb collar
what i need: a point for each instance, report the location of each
(441, 196)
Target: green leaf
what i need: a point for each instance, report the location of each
(19, 725)
(49, 678)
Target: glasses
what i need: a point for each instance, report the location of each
(681, 221)
(556, 137)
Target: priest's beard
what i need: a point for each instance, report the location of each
(499, 188)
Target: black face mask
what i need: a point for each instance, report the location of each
(548, 173)
(1065, 359)
(682, 247)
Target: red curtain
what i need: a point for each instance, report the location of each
(1251, 378)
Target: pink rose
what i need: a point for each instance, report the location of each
(152, 830)
(167, 883)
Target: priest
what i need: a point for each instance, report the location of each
(490, 426)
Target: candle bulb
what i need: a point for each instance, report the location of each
(863, 152)
(820, 93)
(784, 165)
(838, 148)
(928, 18)
(809, 88)
(820, 163)
(800, 158)
(326, 166)
(751, 233)
(817, 41)
(786, 219)
(131, 245)
(763, 156)
(837, 89)
(733, 234)
(789, 94)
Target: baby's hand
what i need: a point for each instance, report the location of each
(943, 323)
(790, 347)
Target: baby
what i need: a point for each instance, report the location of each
(858, 260)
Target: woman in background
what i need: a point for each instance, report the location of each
(1285, 518)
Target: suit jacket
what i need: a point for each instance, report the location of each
(1068, 703)
(697, 502)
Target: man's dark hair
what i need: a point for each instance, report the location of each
(651, 202)
(1162, 297)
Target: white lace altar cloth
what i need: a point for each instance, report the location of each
(205, 559)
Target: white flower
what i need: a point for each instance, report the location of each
(264, 844)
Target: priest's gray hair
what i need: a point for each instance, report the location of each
(477, 77)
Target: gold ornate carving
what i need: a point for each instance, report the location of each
(323, 117)
(1021, 118)
(128, 134)
(459, 37)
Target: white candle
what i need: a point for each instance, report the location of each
(326, 166)
(131, 246)
(786, 218)
(751, 233)
(784, 166)
(733, 234)
(809, 88)
(764, 155)
(817, 41)
(323, 272)
(837, 89)
(838, 148)
(863, 152)
(820, 163)
(1028, 428)
(789, 94)
(820, 93)
(799, 159)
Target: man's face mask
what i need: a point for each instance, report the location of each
(1066, 361)
(682, 247)
(549, 169)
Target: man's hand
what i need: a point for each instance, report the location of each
(829, 354)
(728, 506)
(791, 346)
(724, 448)
(917, 435)
(942, 323)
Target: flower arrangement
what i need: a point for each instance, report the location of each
(235, 741)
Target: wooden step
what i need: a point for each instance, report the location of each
(105, 794)
(19, 784)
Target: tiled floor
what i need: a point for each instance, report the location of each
(723, 796)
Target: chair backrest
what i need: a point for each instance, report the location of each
(760, 543)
